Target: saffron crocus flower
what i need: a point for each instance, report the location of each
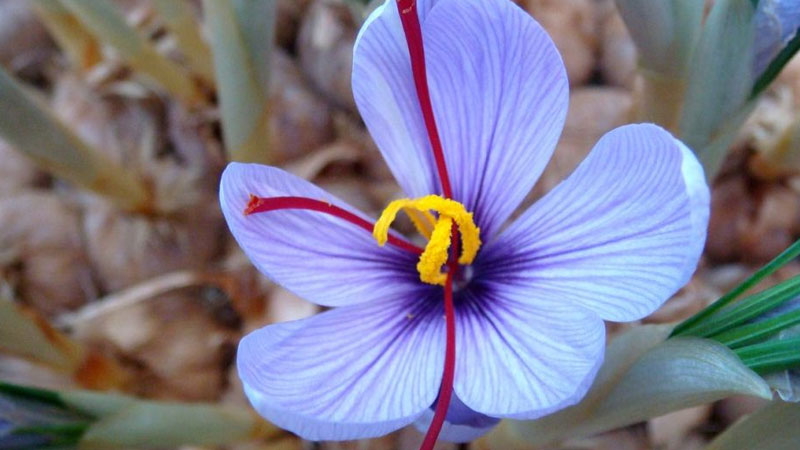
(509, 324)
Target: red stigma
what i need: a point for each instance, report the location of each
(265, 204)
(416, 51)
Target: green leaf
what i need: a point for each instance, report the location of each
(642, 378)
(241, 43)
(792, 252)
(79, 45)
(720, 77)
(96, 404)
(59, 434)
(182, 23)
(37, 419)
(774, 427)
(28, 126)
(151, 424)
(771, 356)
(108, 25)
(759, 331)
(747, 309)
(664, 32)
(32, 394)
(21, 334)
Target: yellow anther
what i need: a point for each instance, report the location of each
(381, 228)
(437, 251)
(423, 221)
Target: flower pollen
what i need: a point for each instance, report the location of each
(436, 254)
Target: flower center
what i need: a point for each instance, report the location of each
(439, 231)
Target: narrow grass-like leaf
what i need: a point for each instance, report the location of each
(80, 46)
(241, 41)
(58, 434)
(182, 23)
(151, 424)
(771, 356)
(792, 252)
(26, 334)
(774, 427)
(747, 309)
(769, 364)
(642, 378)
(759, 331)
(31, 129)
(109, 26)
(37, 418)
(96, 404)
(33, 394)
(110, 420)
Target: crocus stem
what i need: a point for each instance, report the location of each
(661, 99)
(416, 50)
(264, 204)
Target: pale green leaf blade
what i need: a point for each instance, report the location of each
(32, 129)
(96, 404)
(183, 25)
(774, 427)
(676, 374)
(166, 425)
(664, 32)
(109, 26)
(81, 47)
(22, 335)
(241, 42)
(720, 76)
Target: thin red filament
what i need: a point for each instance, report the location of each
(264, 204)
(416, 51)
(413, 32)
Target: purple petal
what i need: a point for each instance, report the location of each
(383, 87)
(776, 22)
(522, 358)
(619, 236)
(461, 423)
(499, 93)
(321, 258)
(352, 372)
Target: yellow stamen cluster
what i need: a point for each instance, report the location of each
(438, 230)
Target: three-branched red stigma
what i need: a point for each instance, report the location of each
(443, 230)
